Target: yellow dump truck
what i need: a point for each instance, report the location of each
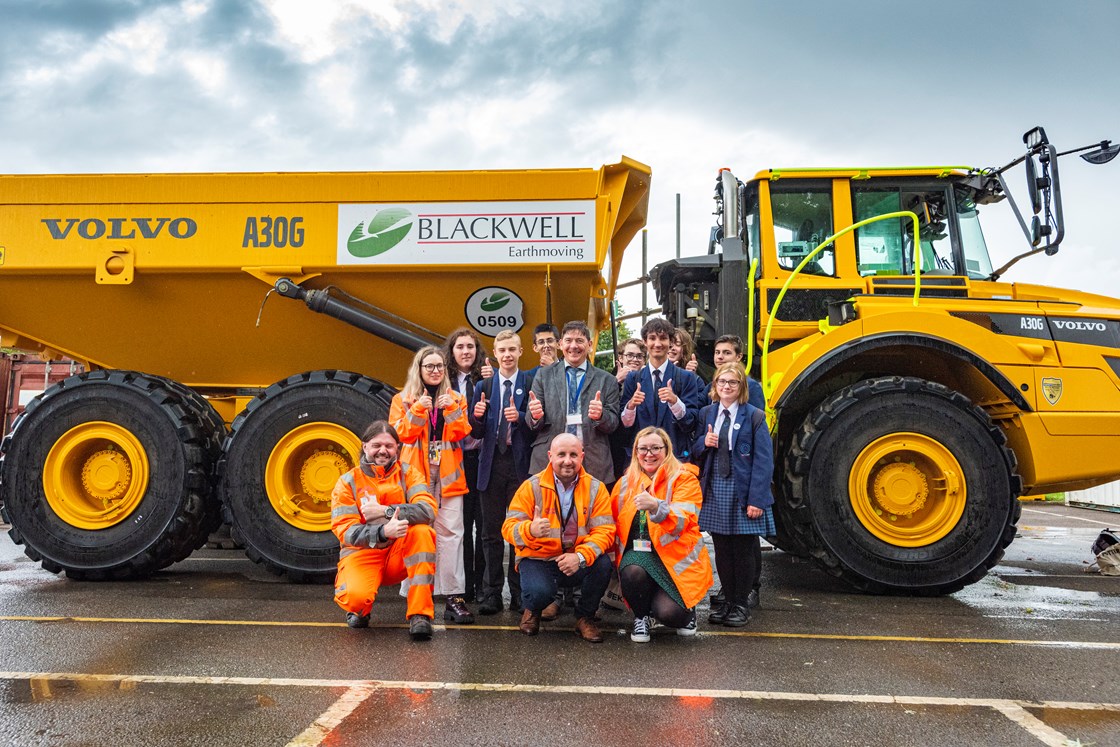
(913, 394)
(178, 292)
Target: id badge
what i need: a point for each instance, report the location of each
(574, 418)
(643, 545)
(433, 452)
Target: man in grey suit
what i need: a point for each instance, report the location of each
(572, 396)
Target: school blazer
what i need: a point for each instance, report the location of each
(752, 458)
(521, 438)
(686, 385)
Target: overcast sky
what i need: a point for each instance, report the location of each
(277, 85)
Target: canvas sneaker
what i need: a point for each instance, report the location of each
(640, 633)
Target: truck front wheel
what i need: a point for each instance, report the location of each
(285, 453)
(897, 484)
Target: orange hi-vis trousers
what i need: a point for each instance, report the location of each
(413, 556)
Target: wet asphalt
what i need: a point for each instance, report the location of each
(216, 651)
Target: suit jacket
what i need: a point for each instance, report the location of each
(551, 388)
(686, 385)
(521, 438)
(752, 456)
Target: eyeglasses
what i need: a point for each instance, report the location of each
(546, 341)
(727, 382)
(633, 356)
(432, 367)
(650, 450)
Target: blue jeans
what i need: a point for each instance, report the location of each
(540, 579)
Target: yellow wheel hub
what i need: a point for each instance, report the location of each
(302, 470)
(95, 475)
(907, 489)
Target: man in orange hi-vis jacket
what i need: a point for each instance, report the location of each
(561, 524)
(382, 514)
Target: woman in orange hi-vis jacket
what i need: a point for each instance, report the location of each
(663, 564)
(431, 419)
(382, 514)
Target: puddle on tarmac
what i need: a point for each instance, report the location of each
(994, 596)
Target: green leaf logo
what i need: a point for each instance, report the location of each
(384, 231)
(496, 301)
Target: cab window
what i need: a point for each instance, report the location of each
(803, 219)
(886, 247)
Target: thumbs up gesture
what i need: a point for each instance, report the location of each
(425, 401)
(539, 526)
(396, 527)
(711, 440)
(595, 407)
(692, 363)
(371, 508)
(536, 409)
(637, 399)
(487, 368)
(511, 411)
(480, 407)
(666, 393)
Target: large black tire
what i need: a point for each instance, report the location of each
(214, 433)
(346, 402)
(168, 508)
(838, 436)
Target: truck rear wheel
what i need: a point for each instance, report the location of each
(105, 476)
(897, 484)
(284, 454)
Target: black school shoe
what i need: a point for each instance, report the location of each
(456, 611)
(718, 615)
(752, 599)
(490, 606)
(737, 616)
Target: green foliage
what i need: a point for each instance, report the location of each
(605, 343)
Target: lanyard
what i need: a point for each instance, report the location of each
(565, 518)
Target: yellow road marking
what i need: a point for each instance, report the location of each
(1105, 645)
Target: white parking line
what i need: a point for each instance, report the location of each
(359, 690)
(1075, 518)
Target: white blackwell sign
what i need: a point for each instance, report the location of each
(467, 233)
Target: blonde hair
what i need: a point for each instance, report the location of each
(671, 465)
(507, 334)
(414, 383)
(735, 369)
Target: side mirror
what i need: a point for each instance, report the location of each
(1036, 231)
(1032, 186)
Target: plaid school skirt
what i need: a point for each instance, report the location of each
(723, 513)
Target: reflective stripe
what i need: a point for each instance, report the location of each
(415, 419)
(419, 557)
(347, 551)
(538, 500)
(682, 565)
(598, 521)
(338, 511)
(517, 539)
(595, 485)
(421, 579)
(621, 491)
(511, 514)
(454, 414)
(348, 478)
(581, 530)
(446, 482)
(356, 535)
(413, 491)
(596, 551)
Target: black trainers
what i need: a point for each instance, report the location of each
(420, 627)
(354, 620)
(457, 612)
(737, 616)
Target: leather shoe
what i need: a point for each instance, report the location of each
(456, 611)
(420, 627)
(551, 612)
(752, 599)
(588, 630)
(718, 598)
(490, 606)
(530, 622)
(718, 615)
(737, 616)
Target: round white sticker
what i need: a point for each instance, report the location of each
(490, 310)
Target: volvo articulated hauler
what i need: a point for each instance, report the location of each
(173, 290)
(913, 394)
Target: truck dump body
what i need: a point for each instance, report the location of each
(166, 273)
(177, 292)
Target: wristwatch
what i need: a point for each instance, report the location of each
(389, 511)
(582, 561)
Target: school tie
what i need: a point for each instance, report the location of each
(503, 424)
(656, 388)
(723, 453)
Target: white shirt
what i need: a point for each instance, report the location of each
(630, 415)
(733, 409)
